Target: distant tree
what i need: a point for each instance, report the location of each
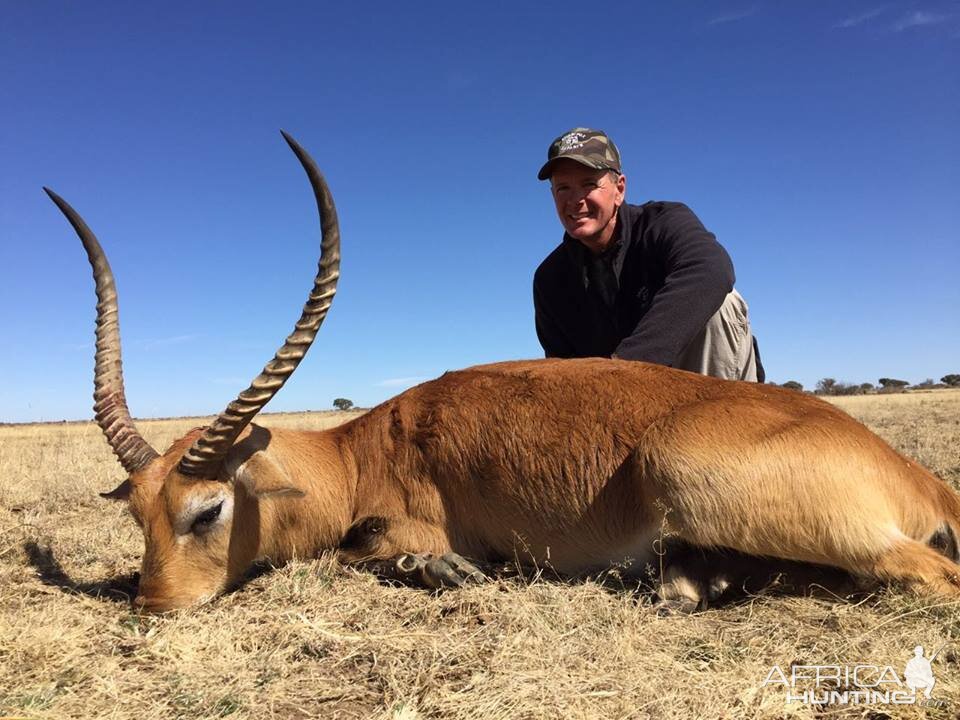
(928, 383)
(343, 404)
(792, 385)
(953, 380)
(825, 386)
(830, 386)
(842, 388)
(892, 383)
(866, 388)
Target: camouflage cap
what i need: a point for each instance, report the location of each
(589, 147)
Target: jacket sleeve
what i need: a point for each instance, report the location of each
(698, 276)
(548, 329)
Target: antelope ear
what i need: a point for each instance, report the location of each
(264, 478)
(120, 492)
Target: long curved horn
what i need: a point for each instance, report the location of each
(109, 400)
(203, 459)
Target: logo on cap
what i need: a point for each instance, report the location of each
(571, 141)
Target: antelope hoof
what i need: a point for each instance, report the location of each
(449, 570)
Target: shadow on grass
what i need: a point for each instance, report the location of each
(257, 570)
(723, 577)
(719, 577)
(119, 589)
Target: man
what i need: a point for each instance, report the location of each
(638, 282)
(919, 673)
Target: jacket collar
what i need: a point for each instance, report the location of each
(615, 252)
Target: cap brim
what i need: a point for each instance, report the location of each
(547, 170)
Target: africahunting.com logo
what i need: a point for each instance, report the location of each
(859, 684)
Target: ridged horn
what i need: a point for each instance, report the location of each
(109, 400)
(204, 458)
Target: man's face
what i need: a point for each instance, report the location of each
(587, 202)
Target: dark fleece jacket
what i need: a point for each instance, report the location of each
(671, 275)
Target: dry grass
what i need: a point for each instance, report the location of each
(313, 639)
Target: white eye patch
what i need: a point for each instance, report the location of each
(192, 516)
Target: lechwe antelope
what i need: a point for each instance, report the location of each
(582, 462)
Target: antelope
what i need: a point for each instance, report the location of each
(580, 463)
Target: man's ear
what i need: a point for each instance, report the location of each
(264, 478)
(621, 188)
(120, 492)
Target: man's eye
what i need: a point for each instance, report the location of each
(203, 521)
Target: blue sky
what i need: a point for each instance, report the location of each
(819, 141)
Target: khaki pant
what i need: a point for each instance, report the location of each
(724, 348)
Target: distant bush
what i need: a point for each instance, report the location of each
(830, 386)
(343, 404)
(929, 384)
(953, 380)
(892, 383)
(792, 385)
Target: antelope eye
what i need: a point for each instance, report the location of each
(204, 520)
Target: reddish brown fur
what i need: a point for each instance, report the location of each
(583, 462)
